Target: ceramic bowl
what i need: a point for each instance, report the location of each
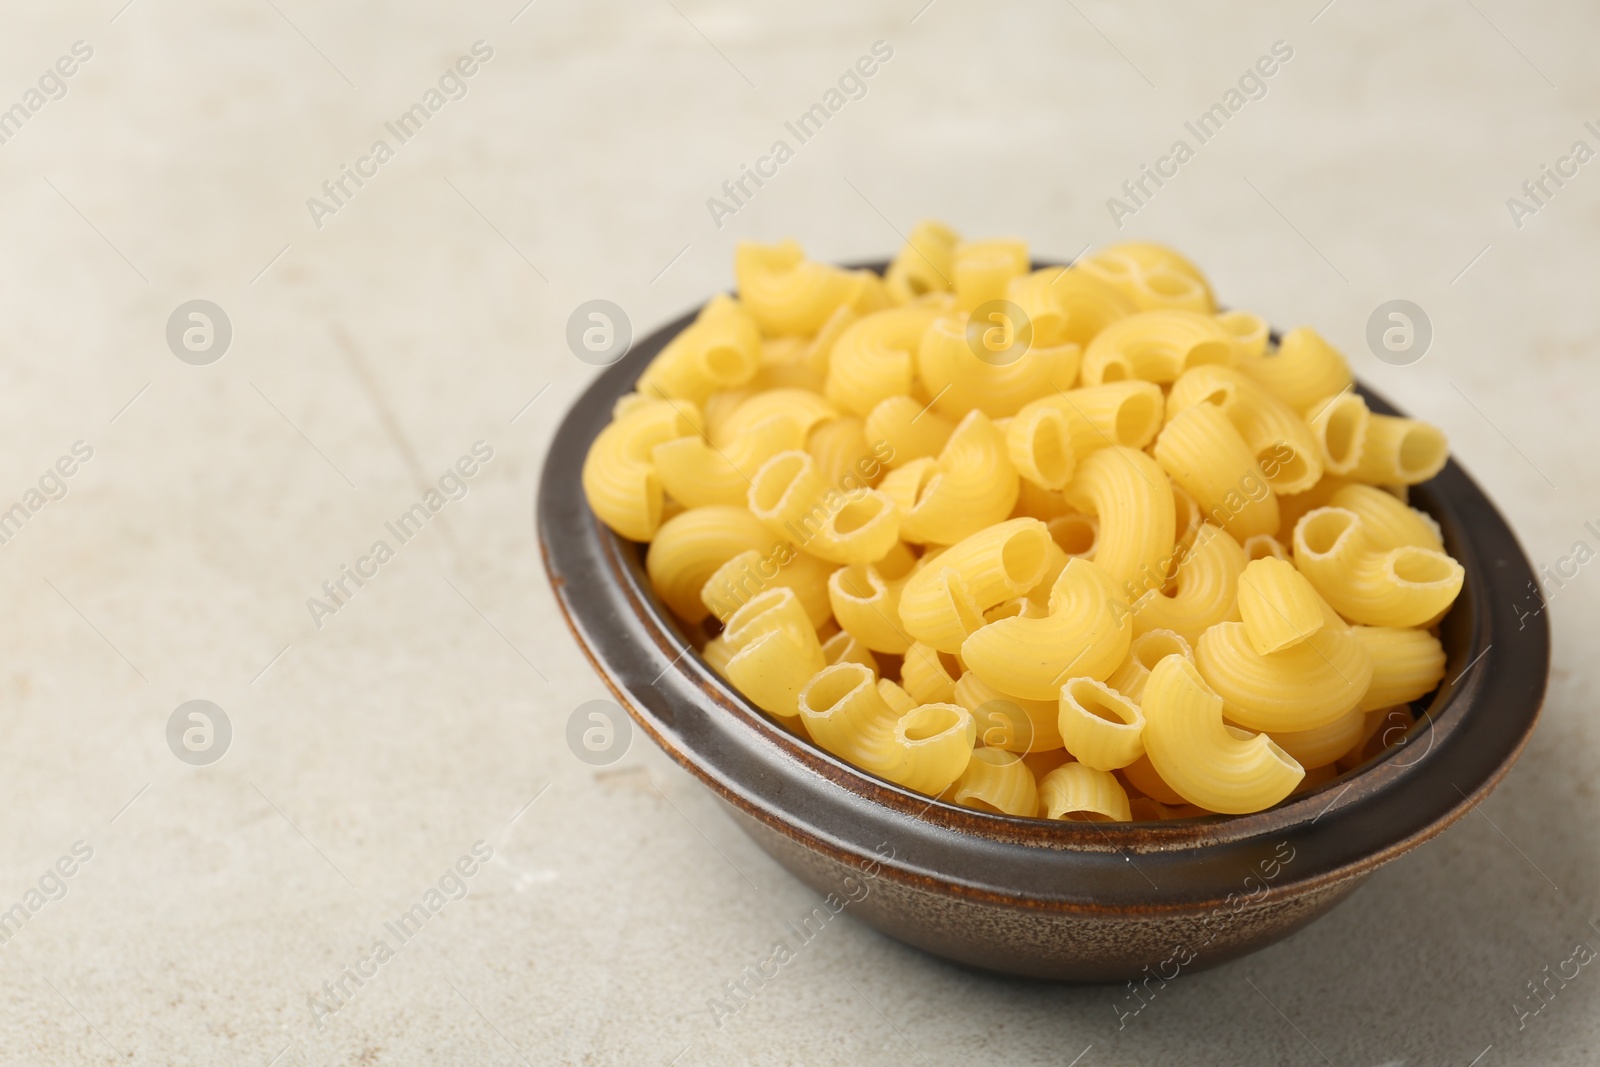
(1072, 901)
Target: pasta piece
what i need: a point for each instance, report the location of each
(1205, 455)
(925, 749)
(1128, 493)
(721, 349)
(697, 474)
(844, 648)
(1406, 665)
(935, 742)
(1082, 637)
(930, 675)
(1099, 725)
(778, 651)
(1205, 589)
(944, 600)
(1084, 304)
(959, 382)
(894, 696)
(1188, 519)
(1250, 331)
(717, 652)
(619, 476)
(1146, 650)
(1015, 724)
(1208, 763)
(844, 456)
(868, 607)
(1339, 426)
(801, 405)
(1405, 586)
(1278, 607)
(875, 358)
(1039, 443)
(1321, 746)
(787, 293)
(784, 365)
(1387, 520)
(999, 782)
(924, 265)
(1122, 413)
(1265, 546)
(1073, 792)
(791, 498)
(909, 429)
(1304, 370)
(1157, 346)
(970, 486)
(1303, 687)
(735, 582)
(689, 548)
(1152, 276)
(1042, 763)
(1284, 446)
(1398, 451)
(983, 269)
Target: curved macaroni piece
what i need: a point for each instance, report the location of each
(1082, 637)
(1302, 687)
(793, 500)
(1152, 276)
(1127, 413)
(691, 545)
(930, 675)
(1015, 724)
(749, 573)
(1146, 650)
(896, 697)
(1067, 306)
(844, 648)
(721, 349)
(908, 429)
(943, 602)
(1367, 583)
(1204, 760)
(1205, 589)
(1304, 370)
(801, 405)
(935, 742)
(1081, 794)
(998, 782)
(778, 651)
(1339, 425)
(1157, 346)
(1407, 665)
(787, 293)
(960, 382)
(1250, 331)
(970, 486)
(983, 269)
(1284, 446)
(1278, 606)
(842, 452)
(619, 476)
(1039, 442)
(924, 749)
(1188, 521)
(1388, 521)
(1323, 745)
(1129, 495)
(1398, 451)
(717, 652)
(1208, 458)
(925, 263)
(868, 607)
(1099, 725)
(697, 474)
(1265, 546)
(875, 358)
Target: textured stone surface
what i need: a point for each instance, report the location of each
(427, 713)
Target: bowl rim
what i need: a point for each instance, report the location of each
(1376, 812)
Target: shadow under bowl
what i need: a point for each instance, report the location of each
(1068, 901)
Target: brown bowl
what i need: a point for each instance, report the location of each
(1073, 901)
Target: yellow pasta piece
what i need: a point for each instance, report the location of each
(867, 605)
(924, 265)
(1216, 766)
(721, 349)
(844, 456)
(1152, 276)
(1157, 346)
(717, 652)
(894, 696)
(784, 365)
(1129, 495)
(999, 782)
(1205, 589)
(1265, 546)
(1127, 413)
(778, 651)
(1205, 455)
(1067, 306)
(1015, 724)
(1304, 370)
(944, 601)
(1078, 793)
(804, 407)
(875, 358)
(1398, 451)
(1301, 687)
(1146, 650)
(1082, 637)
(1250, 331)
(620, 480)
(908, 428)
(842, 647)
(1278, 606)
(1388, 521)
(971, 485)
(1339, 426)
(696, 474)
(793, 500)
(1099, 725)
(1368, 583)
(1284, 446)
(959, 382)
(983, 269)
(1039, 442)
(925, 749)
(787, 293)
(1407, 664)
(1321, 746)
(930, 675)
(745, 575)
(689, 548)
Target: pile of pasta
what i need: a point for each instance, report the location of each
(1065, 543)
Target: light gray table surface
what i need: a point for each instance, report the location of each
(428, 312)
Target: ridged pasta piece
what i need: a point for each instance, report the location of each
(1300, 688)
(1188, 519)
(1367, 583)
(930, 675)
(925, 263)
(689, 548)
(908, 428)
(1099, 725)
(1304, 369)
(1208, 763)
(959, 382)
(1076, 793)
(999, 782)
(1152, 276)
(1407, 664)
(1146, 650)
(1081, 637)
(1130, 496)
(1250, 331)
(1128, 413)
(845, 458)
(944, 600)
(970, 486)
(749, 573)
(778, 651)
(1284, 446)
(1321, 746)
(1208, 458)
(925, 749)
(1066, 306)
(1339, 426)
(784, 365)
(787, 293)
(842, 647)
(790, 496)
(1388, 521)
(1039, 442)
(806, 408)
(696, 474)
(619, 476)
(983, 269)
(1015, 724)
(867, 605)
(875, 358)
(721, 349)
(717, 652)
(1265, 546)
(1157, 346)
(1278, 607)
(1205, 589)
(896, 697)
(1398, 451)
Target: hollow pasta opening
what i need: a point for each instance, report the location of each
(1421, 566)
(1090, 698)
(1291, 470)
(775, 478)
(1049, 449)
(1074, 534)
(831, 687)
(1321, 530)
(1423, 450)
(1341, 436)
(1209, 353)
(1171, 284)
(929, 721)
(1137, 416)
(1156, 645)
(1115, 371)
(1022, 556)
(857, 514)
(723, 363)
